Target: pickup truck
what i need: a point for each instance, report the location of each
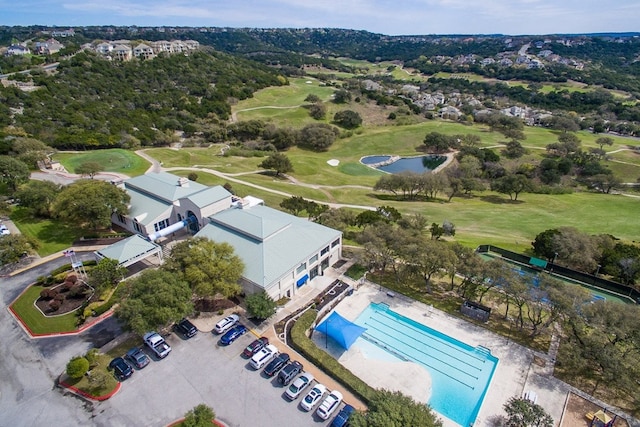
(156, 343)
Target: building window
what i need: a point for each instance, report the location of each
(313, 259)
(162, 224)
(122, 219)
(137, 227)
(301, 268)
(335, 243)
(324, 251)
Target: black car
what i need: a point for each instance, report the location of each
(121, 368)
(276, 364)
(186, 328)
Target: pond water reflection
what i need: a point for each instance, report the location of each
(391, 164)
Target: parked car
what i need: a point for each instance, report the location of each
(234, 333)
(137, 357)
(186, 328)
(342, 419)
(156, 343)
(289, 372)
(226, 324)
(329, 405)
(121, 369)
(276, 364)
(313, 397)
(255, 347)
(297, 387)
(264, 356)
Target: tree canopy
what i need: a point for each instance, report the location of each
(13, 172)
(393, 409)
(260, 305)
(91, 202)
(153, 300)
(209, 267)
(278, 162)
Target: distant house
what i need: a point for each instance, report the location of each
(104, 48)
(449, 112)
(122, 53)
(48, 47)
(63, 33)
(17, 49)
(143, 51)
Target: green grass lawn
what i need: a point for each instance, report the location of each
(101, 368)
(113, 160)
(53, 236)
(35, 320)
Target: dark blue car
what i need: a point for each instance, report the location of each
(121, 369)
(232, 334)
(342, 419)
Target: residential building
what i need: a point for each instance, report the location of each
(143, 51)
(122, 52)
(17, 49)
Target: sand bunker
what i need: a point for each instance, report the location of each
(333, 162)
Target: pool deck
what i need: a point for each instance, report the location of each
(515, 373)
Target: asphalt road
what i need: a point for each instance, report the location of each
(197, 371)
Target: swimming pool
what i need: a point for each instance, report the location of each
(460, 374)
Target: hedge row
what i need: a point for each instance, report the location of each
(305, 346)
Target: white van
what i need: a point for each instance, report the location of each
(263, 357)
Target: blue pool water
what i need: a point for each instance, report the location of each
(460, 374)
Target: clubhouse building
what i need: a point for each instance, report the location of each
(281, 252)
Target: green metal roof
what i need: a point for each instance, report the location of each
(129, 250)
(164, 186)
(269, 242)
(146, 209)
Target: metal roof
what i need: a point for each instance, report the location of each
(269, 242)
(129, 250)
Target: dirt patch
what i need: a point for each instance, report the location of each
(578, 408)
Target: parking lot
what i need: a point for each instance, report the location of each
(199, 370)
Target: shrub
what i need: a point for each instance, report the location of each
(304, 345)
(54, 305)
(59, 297)
(77, 367)
(200, 416)
(44, 294)
(76, 291)
(65, 286)
(71, 278)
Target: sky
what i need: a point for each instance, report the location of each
(391, 17)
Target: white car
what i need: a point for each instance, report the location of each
(313, 397)
(329, 405)
(226, 323)
(4, 231)
(300, 383)
(264, 356)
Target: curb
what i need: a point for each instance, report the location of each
(79, 392)
(78, 331)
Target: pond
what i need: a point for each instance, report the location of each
(394, 164)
